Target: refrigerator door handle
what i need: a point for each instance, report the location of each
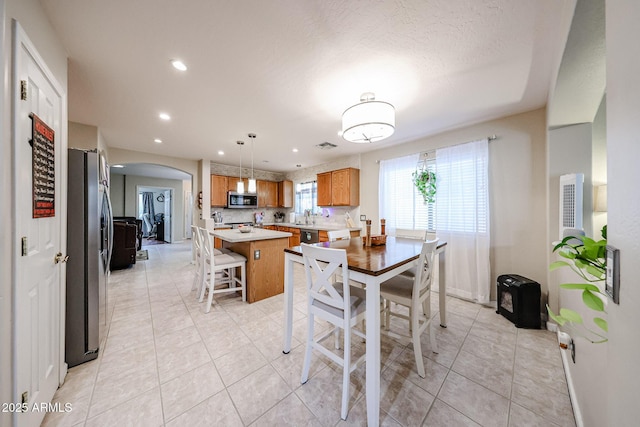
(110, 225)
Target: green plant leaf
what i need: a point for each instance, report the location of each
(592, 301)
(602, 324)
(570, 315)
(581, 286)
(558, 264)
(567, 254)
(558, 319)
(595, 271)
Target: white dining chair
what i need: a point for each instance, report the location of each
(416, 295)
(218, 273)
(334, 235)
(342, 306)
(197, 254)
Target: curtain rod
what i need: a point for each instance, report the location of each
(422, 153)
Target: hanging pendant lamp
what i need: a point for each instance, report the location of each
(252, 182)
(240, 185)
(368, 121)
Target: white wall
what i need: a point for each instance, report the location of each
(31, 17)
(599, 161)
(620, 385)
(517, 182)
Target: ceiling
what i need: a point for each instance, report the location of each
(286, 70)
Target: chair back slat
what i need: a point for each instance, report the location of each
(207, 244)
(424, 269)
(321, 264)
(334, 235)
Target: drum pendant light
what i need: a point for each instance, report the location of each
(368, 121)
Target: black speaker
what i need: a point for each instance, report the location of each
(519, 300)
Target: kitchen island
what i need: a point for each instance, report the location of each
(264, 250)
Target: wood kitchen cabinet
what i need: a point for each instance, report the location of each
(219, 186)
(294, 240)
(285, 194)
(233, 183)
(339, 188)
(324, 189)
(267, 194)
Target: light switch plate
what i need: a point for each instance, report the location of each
(612, 280)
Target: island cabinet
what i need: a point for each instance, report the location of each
(339, 188)
(285, 194)
(267, 194)
(264, 251)
(219, 186)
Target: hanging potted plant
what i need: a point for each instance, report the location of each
(425, 182)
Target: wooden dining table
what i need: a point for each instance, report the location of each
(370, 265)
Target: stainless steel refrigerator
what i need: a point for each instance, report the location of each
(89, 245)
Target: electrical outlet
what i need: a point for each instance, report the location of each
(363, 217)
(256, 254)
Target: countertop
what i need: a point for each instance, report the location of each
(324, 227)
(235, 236)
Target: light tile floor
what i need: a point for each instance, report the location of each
(167, 363)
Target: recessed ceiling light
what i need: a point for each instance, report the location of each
(117, 166)
(157, 141)
(178, 65)
(164, 116)
(220, 153)
(295, 150)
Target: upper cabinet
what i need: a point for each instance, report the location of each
(285, 194)
(271, 194)
(339, 188)
(267, 194)
(233, 183)
(219, 185)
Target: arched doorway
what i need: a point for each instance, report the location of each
(169, 189)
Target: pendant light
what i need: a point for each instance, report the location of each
(240, 186)
(368, 121)
(252, 182)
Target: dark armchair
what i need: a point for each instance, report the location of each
(124, 245)
(135, 221)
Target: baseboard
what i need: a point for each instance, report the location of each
(577, 414)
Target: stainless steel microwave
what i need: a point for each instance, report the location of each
(240, 201)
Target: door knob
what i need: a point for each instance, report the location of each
(59, 258)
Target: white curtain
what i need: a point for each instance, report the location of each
(462, 218)
(397, 201)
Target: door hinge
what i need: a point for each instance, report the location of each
(24, 246)
(23, 90)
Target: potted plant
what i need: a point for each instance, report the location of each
(587, 259)
(425, 182)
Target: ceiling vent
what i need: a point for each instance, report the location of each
(326, 146)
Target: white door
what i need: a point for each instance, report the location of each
(167, 216)
(39, 285)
